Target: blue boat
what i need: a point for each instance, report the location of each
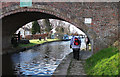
(65, 37)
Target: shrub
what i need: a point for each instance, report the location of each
(24, 41)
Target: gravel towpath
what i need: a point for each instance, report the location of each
(76, 67)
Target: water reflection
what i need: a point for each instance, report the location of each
(42, 60)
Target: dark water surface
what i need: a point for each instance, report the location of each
(40, 61)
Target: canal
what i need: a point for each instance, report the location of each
(40, 61)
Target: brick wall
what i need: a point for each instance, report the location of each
(104, 27)
(36, 36)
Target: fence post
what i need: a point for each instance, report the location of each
(19, 36)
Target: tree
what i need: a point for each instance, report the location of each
(57, 29)
(35, 27)
(47, 24)
(61, 30)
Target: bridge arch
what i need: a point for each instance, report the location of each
(13, 16)
(13, 20)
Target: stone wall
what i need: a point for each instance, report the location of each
(104, 27)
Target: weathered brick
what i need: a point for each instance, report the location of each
(104, 16)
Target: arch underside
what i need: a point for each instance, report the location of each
(13, 22)
(15, 18)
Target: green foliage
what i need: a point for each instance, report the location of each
(105, 62)
(35, 27)
(61, 29)
(57, 29)
(27, 45)
(46, 23)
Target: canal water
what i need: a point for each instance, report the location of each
(40, 61)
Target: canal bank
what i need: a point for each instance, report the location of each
(62, 69)
(16, 50)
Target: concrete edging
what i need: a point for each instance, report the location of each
(63, 66)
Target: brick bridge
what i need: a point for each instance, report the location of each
(103, 30)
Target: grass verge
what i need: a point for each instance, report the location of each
(105, 62)
(35, 42)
